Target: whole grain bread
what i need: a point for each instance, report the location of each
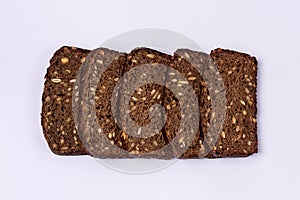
(57, 117)
(78, 117)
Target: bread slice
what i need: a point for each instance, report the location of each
(140, 68)
(239, 73)
(56, 117)
(187, 145)
(94, 116)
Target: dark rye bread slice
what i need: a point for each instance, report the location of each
(96, 123)
(192, 76)
(239, 73)
(199, 61)
(142, 101)
(56, 117)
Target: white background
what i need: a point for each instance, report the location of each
(32, 30)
